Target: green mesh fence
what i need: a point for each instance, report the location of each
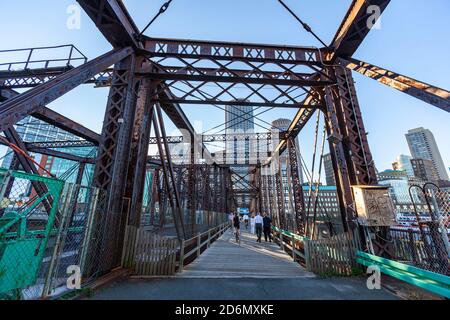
(28, 214)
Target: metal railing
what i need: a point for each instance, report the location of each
(71, 55)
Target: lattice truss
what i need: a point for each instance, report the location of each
(227, 74)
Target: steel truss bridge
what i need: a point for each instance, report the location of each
(152, 76)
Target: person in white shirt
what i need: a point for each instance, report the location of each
(258, 227)
(252, 224)
(230, 218)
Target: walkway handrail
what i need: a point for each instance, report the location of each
(197, 249)
(290, 234)
(297, 255)
(430, 281)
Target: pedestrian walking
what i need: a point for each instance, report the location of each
(252, 224)
(267, 225)
(230, 219)
(258, 227)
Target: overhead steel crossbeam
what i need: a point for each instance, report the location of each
(221, 137)
(433, 95)
(200, 72)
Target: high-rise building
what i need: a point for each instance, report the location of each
(399, 186)
(239, 147)
(329, 170)
(422, 145)
(403, 163)
(424, 170)
(239, 119)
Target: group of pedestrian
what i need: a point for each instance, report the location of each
(258, 225)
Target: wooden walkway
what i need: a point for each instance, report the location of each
(227, 259)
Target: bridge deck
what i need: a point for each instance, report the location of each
(255, 271)
(227, 259)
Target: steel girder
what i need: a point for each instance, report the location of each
(355, 27)
(58, 120)
(181, 65)
(59, 154)
(222, 137)
(113, 158)
(113, 20)
(337, 151)
(430, 94)
(299, 203)
(359, 158)
(280, 198)
(17, 108)
(139, 149)
(29, 78)
(60, 144)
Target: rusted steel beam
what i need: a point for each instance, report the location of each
(61, 155)
(241, 103)
(430, 94)
(17, 108)
(159, 47)
(66, 124)
(60, 144)
(113, 20)
(355, 27)
(301, 82)
(16, 79)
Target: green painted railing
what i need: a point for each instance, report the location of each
(290, 234)
(430, 281)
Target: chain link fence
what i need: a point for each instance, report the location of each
(47, 226)
(426, 243)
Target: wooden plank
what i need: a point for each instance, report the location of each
(174, 255)
(151, 265)
(149, 253)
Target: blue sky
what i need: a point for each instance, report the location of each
(413, 40)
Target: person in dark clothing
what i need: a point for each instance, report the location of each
(237, 227)
(267, 221)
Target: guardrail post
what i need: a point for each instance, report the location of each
(209, 239)
(199, 242)
(293, 247)
(281, 241)
(307, 257)
(180, 269)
